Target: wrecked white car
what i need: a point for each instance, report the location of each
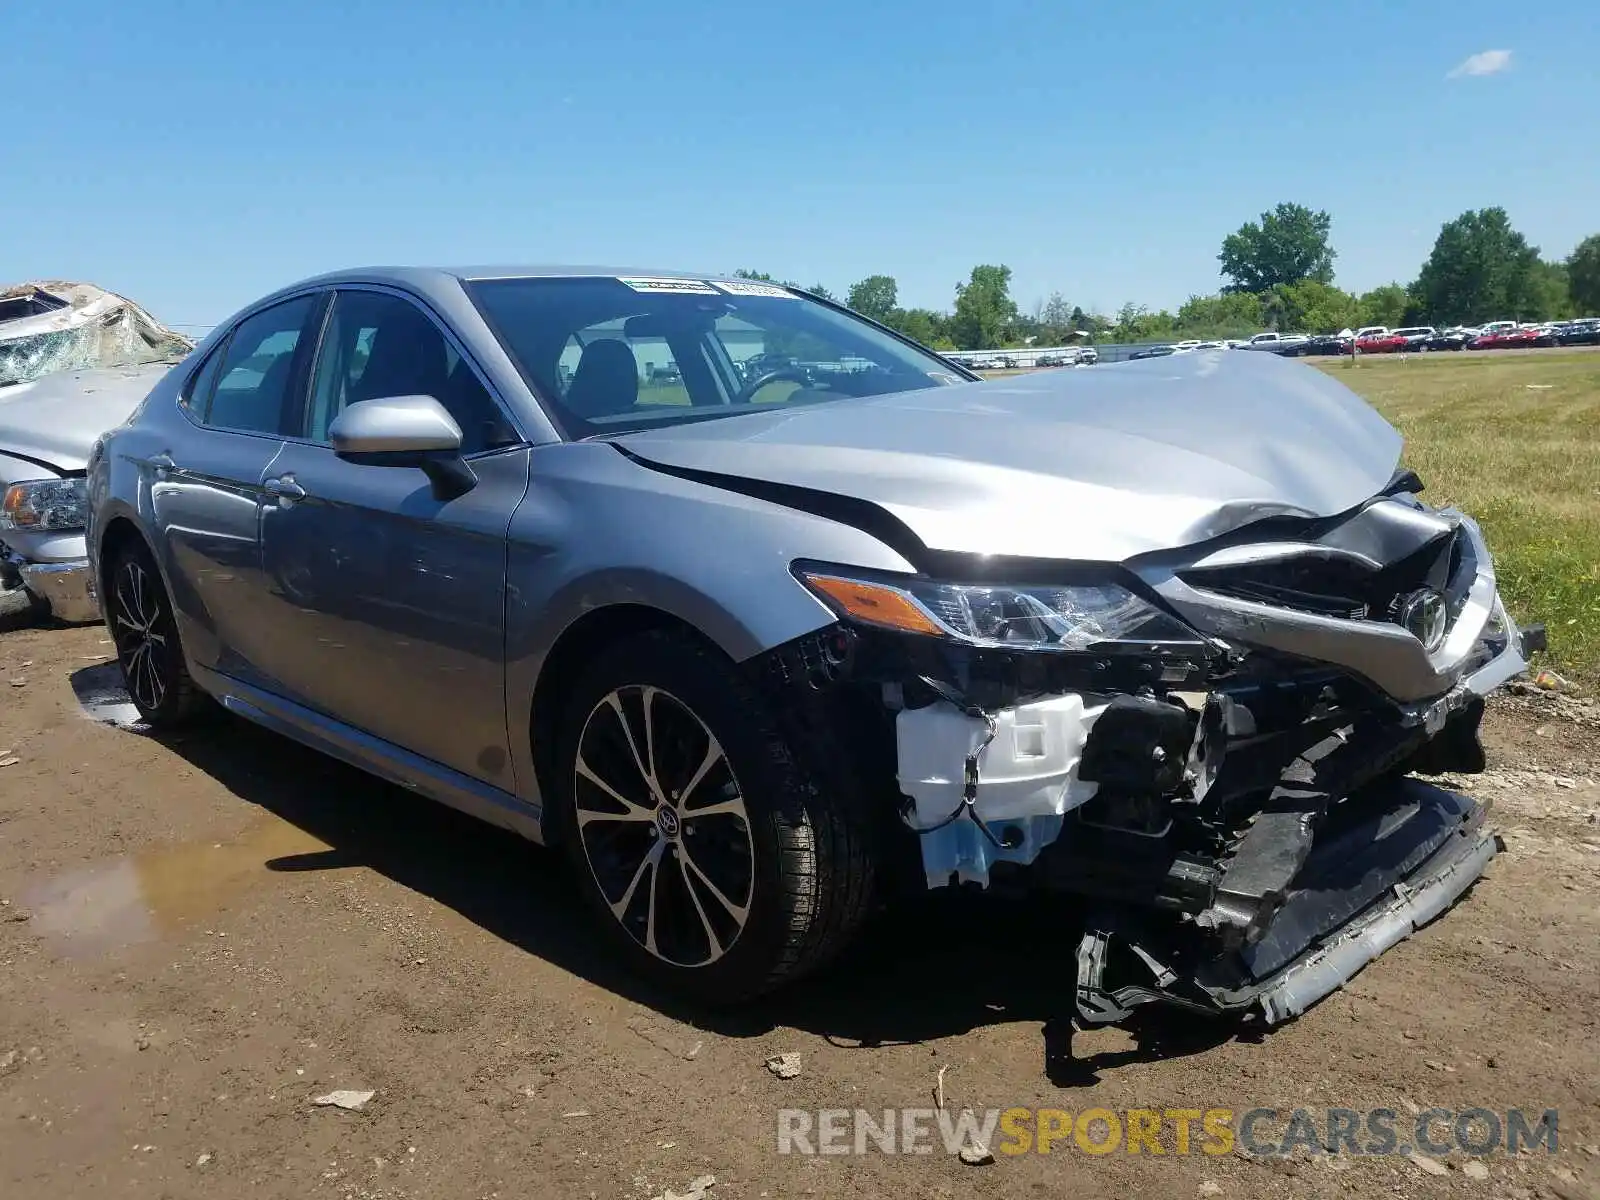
(74, 361)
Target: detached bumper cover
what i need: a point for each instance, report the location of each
(1416, 856)
(1415, 903)
(67, 587)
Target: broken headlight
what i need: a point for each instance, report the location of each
(1020, 617)
(45, 504)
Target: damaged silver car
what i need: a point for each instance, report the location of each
(762, 613)
(74, 361)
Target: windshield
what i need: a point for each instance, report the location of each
(609, 355)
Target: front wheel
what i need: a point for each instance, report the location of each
(139, 613)
(705, 847)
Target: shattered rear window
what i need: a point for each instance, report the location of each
(70, 327)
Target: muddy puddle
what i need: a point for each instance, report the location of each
(102, 697)
(94, 911)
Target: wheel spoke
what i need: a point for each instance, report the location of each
(136, 574)
(130, 667)
(733, 807)
(129, 614)
(650, 900)
(158, 686)
(136, 669)
(739, 912)
(700, 909)
(647, 698)
(145, 683)
(648, 862)
(639, 816)
(146, 676)
(615, 701)
(713, 756)
(631, 811)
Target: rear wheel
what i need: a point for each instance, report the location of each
(700, 841)
(139, 612)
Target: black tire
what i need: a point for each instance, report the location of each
(800, 850)
(139, 616)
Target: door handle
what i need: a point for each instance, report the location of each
(285, 488)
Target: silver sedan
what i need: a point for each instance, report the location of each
(763, 614)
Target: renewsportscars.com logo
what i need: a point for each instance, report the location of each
(1266, 1132)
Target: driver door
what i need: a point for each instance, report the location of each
(389, 600)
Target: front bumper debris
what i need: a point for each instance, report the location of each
(1241, 818)
(1247, 846)
(67, 587)
(1355, 897)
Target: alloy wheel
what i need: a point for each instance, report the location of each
(663, 826)
(139, 629)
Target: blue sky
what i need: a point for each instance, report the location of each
(194, 155)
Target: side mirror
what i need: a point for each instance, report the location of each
(405, 431)
(394, 425)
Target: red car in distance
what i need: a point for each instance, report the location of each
(1380, 343)
(1508, 339)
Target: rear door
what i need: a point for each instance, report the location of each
(388, 602)
(207, 493)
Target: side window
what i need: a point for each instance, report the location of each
(257, 372)
(377, 346)
(663, 378)
(196, 393)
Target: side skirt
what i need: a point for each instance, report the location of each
(374, 755)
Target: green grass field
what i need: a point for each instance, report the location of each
(1514, 440)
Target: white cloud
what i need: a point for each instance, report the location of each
(1490, 62)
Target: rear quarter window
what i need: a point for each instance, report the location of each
(196, 393)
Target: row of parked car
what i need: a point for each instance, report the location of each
(998, 360)
(1380, 339)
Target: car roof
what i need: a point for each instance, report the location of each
(435, 274)
(441, 282)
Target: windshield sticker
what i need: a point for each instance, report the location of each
(693, 287)
(747, 287)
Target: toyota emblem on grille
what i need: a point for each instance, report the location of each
(1426, 616)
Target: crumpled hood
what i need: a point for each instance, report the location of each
(56, 419)
(1094, 464)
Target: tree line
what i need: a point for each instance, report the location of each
(1280, 275)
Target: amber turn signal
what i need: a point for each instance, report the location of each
(874, 603)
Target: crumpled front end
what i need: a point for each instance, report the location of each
(1232, 790)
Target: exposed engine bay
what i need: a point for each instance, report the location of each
(1231, 793)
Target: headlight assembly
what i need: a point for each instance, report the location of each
(45, 504)
(1015, 617)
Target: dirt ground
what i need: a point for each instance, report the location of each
(200, 935)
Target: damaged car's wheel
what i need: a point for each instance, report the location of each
(698, 836)
(146, 637)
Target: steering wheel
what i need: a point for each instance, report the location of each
(753, 386)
